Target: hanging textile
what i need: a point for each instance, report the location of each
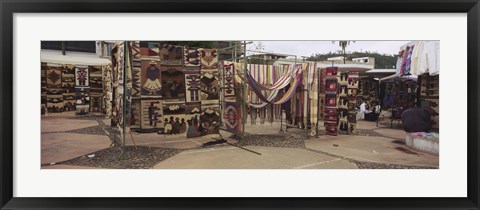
(331, 116)
(313, 96)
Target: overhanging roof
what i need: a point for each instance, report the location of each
(75, 58)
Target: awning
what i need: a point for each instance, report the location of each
(397, 76)
(74, 58)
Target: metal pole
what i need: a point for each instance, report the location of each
(125, 54)
(244, 108)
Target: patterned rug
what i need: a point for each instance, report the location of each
(54, 100)
(150, 79)
(82, 76)
(171, 55)
(149, 49)
(192, 86)
(82, 99)
(208, 58)
(209, 85)
(152, 114)
(173, 83)
(136, 78)
(96, 102)
(54, 76)
(232, 115)
(191, 57)
(68, 78)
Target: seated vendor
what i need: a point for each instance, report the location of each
(373, 115)
(417, 119)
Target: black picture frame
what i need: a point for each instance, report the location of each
(10, 7)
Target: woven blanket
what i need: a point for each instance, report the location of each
(208, 58)
(232, 115)
(54, 76)
(171, 55)
(173, 83)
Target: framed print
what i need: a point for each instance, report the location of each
(239, 105)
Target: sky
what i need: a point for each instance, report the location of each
(307, 48)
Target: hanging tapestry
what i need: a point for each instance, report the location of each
(135, 117)
(82, 100)
(193, 112)
(150, 79)
(152, 114)
(95, 102)
(69, 101)
(43, 77)
(135, 49)
(96, 80)
(229, 83)
(54, 76)
(352, 117)
(191, 57)
(68, 79)
(171, 55)
(192, 108)
(209, 85)
(175, 119)
(173, 83)
(353, 90)
(343, 126)
(120, 64)
(353, 82)
(149, 49)
(208, 58)
(136, 78)
(210, 119)
(81, 76)
(54, 100)
(343, 103)
(343, 90)
(107, 87)
(343, 78)
(192, 86)
(331, 115)
(232, 115)
(194, 127)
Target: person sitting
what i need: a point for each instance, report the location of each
(417, 119)
(373, 115)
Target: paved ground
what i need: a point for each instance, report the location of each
(66, 137)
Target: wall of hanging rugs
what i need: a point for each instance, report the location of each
(67, 87)
(172, 90)
(367, 90)
(429, 96)
(331, 114)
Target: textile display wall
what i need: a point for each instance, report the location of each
(331, 115)
(321, 93)
(399, 93)
(367, 90)
(232, 106)
(43, 87)
(170, 89)
(343, 101)
(429, 96)
(96, 89)
(82, 89)
(68, 87)
(352, 86)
